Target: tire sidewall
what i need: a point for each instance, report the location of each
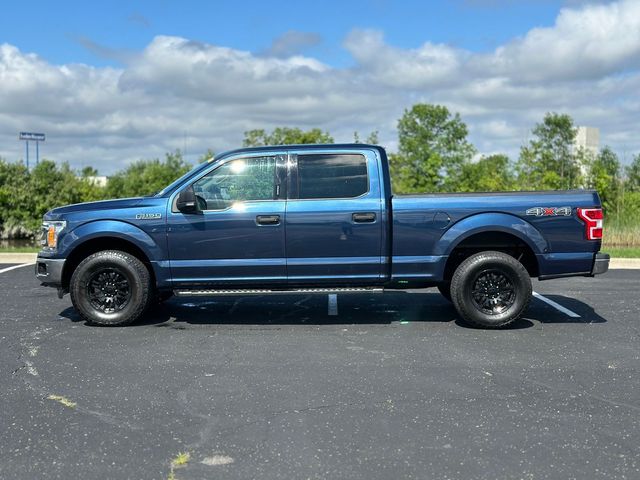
(124, 264)
(470, 269)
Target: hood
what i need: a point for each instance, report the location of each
(93, 206)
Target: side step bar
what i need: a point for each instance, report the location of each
(252, 291)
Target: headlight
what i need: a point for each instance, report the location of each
(50, 232)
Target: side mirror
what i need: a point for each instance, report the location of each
(186, 201)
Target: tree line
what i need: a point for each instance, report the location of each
(434, 155)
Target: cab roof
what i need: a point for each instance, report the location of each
(307, 146)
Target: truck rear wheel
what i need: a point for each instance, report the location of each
(111, 288)
(490, 289)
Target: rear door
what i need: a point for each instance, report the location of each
(334, 218)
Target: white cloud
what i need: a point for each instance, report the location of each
(584, 43)
(177, 92)
(427, 66)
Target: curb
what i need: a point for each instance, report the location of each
(615, 263)
(18, 257)
(624, 263)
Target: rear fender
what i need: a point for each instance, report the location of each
(491, 222)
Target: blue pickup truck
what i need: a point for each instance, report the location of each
(315, 219)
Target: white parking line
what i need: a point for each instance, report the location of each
(557, 306)
(16, 266)
(333, 304)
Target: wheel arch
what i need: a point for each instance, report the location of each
(96, 244)
(492, 231)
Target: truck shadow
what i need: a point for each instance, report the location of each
(387, 308)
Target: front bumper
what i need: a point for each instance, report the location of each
(49, 271)
(601, 264)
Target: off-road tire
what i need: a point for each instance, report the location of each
(128, 267)
(468, 273)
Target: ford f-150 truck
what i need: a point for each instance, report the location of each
(315, 219)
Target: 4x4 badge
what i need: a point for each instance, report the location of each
(550, 211)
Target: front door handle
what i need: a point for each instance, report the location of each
(364, 217)
(268, 219)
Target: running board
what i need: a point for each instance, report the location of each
(253, 291)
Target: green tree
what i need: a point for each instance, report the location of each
(25, 196)
(15, 201)
(146, 177)
(604, 176)
(285, 136)
(206, 156)
(489, 174)
(432, 145)
(549, 161)
(632, 182)
(89, 171)
(371, 139)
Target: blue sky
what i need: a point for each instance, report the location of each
(113, 82)
(60, 34)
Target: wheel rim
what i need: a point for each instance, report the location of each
(493, 292)
(108, 290)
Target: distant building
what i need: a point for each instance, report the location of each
(589, 139)
(98, 180)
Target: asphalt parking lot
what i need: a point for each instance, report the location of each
(376, 387)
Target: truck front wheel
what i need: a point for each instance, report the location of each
(111, 288)
(490, 289)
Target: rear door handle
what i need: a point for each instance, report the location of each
(364, 217)
(268, 219)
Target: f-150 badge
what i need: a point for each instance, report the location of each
(148, 216)
(550, 211)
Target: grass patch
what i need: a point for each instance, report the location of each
(19, 249)
(180, 460)
(63, 400)
(620, 236)
(622, 252)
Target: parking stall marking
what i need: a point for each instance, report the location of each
(16, 266)
(556, 305)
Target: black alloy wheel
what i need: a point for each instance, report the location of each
(108, 290)
(493, 292)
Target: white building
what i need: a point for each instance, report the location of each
(99, 181)
(589, 139)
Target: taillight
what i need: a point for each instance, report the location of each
(592, 218)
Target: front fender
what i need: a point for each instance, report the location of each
(491, 222)
(110, 228)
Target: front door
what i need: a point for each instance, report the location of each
(334, 218)
(237, 237)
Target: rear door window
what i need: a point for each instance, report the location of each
(332, 176)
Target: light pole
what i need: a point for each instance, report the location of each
(36, 137)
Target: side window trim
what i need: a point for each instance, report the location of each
(294, 177)
(278, 156)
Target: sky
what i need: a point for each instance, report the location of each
(113, 82)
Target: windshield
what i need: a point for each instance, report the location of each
(190, 173)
